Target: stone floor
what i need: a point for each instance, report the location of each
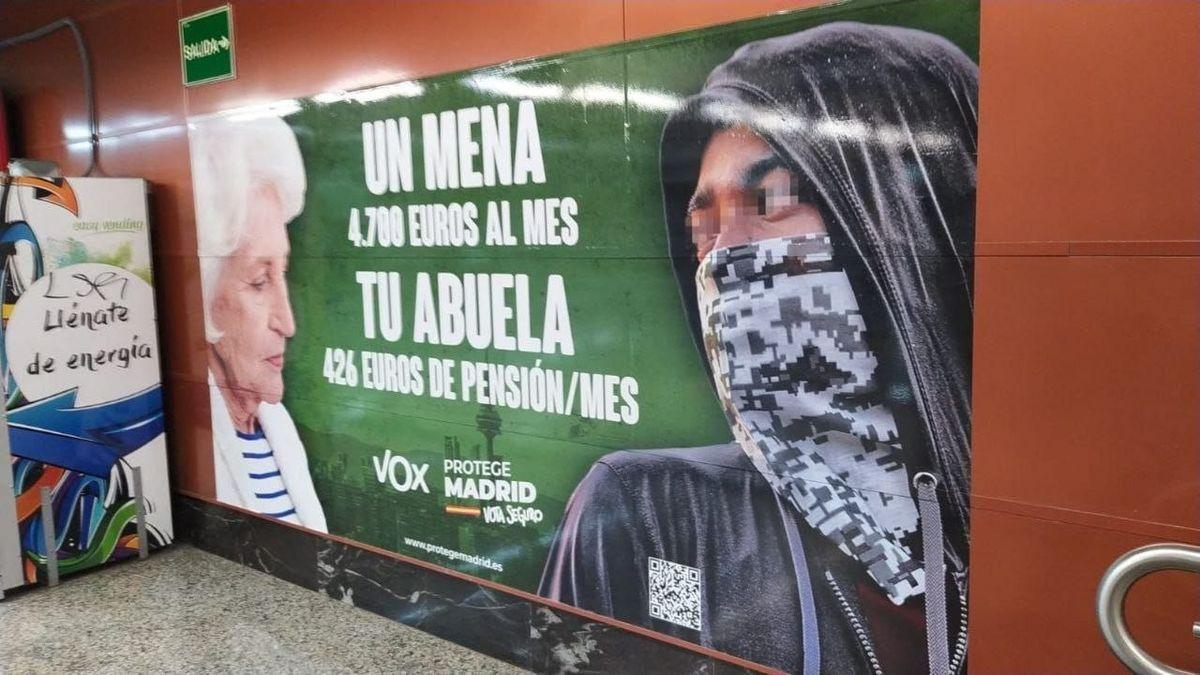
(184, 610)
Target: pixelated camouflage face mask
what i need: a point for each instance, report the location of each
(785, 339)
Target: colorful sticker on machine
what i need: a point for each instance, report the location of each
(645, 329)
(82, 385)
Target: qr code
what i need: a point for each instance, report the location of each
(675, 593)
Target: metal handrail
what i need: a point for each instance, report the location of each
(1110, 601)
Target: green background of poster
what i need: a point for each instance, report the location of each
(600, 117)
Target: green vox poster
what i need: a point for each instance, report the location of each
(675, 331)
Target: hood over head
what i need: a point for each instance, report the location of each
(881, 121)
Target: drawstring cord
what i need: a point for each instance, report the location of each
(808, 606)
(936, 630)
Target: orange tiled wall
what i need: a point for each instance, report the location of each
(1088, 287)
(1087, 326)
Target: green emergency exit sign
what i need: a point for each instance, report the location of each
(206, 46)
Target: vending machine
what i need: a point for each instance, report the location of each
(83, 438)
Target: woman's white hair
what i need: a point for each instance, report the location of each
(231, 160)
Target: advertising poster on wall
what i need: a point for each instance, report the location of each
(676, 331)
(82, 384)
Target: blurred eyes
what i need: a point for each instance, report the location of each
(704, 228)
(779, 195)
(748, 212)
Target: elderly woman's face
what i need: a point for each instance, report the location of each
(250, 306)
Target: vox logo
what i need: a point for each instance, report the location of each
(405, 476)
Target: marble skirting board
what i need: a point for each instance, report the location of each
(506, 626)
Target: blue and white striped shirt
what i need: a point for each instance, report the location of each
(272, 494)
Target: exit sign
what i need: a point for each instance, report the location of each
(206, 46)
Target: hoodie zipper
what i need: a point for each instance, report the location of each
(960, 644)
(860, 631)
(864, 640)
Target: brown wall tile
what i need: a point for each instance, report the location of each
(161, 156)
(181, 317)
(189, 437)
(289, 50)
(134, 50)
(135, 56)
(1089, 120)
(1086, 383)
(43, 84)
(19, 16)
(1033, 591)
(71, 157)
(644, 18)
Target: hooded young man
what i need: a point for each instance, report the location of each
(819, 197)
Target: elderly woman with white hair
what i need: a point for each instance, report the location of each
(249, 183)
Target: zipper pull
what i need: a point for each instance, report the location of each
(936, 630)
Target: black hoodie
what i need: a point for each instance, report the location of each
(882, 123)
